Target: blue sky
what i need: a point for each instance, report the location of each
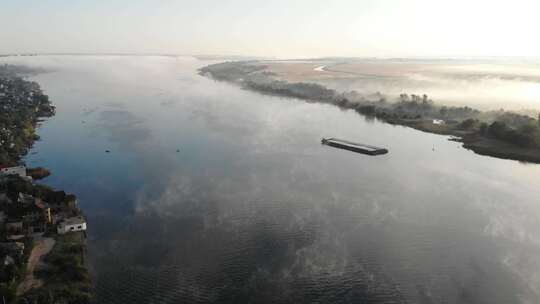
(278, 28)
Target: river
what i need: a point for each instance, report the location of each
(214, 194)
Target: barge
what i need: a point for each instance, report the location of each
(355, 147)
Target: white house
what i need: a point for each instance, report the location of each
(71, 224)
(438, 122)
(18, 170)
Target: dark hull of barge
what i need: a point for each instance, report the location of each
(354, 147)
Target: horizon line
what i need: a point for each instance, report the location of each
(250, 57)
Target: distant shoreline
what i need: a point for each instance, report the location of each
(494, 137)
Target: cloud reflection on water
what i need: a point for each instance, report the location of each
(253, 207)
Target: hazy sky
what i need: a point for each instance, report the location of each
(276, 28)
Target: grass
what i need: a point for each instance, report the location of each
(65, 276)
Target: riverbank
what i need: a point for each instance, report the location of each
(40, 264)
(477, 143)
(500, 134)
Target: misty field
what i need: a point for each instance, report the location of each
(484, 84)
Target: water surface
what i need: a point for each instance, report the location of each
(213, 194)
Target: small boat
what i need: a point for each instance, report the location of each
(355, 147)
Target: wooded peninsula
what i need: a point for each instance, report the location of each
(501, 134)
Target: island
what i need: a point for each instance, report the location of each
(42, 230)
(500, 133)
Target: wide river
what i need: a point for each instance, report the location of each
(214, 194)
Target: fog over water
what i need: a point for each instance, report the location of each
(487, 84)
(211, 193)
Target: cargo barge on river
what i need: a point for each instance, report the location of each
(355, 147)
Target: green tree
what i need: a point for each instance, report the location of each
(483, 128)
(468, 123)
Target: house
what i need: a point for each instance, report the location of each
(36, 227)
(25, 199)
(438, 122)
(36, 211)
(32, 209)
(72, 224)
(14, 226)
(45, 210)
(15, 237)
(18, 170)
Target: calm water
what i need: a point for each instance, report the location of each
(253, 209)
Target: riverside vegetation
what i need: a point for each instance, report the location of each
(38, 264)
(500, 133)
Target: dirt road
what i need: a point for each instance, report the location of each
(41, 248)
